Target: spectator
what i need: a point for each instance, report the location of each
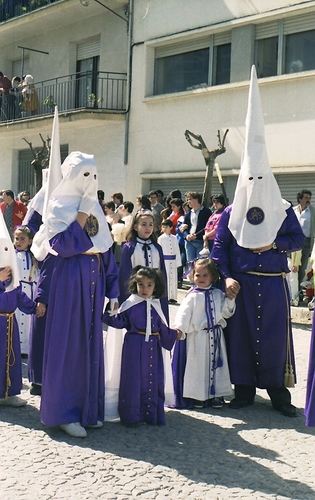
(13, 211)
(5, 97)
(213, 221)
(180, 236)
(177, 212)
(125, 211)
(172, 258)
(17, 97)
(30, 97)
(118, 199)
(111, 216)
(143, 203)
(194, 223)
(156, 208)
(100, 197)
(160, 196)
(306, 217)
(25, 197)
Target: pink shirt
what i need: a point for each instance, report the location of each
(212, 223)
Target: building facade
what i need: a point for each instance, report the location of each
(156, 68)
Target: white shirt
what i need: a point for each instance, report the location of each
(304, 219)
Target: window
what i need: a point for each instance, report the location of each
(222, 64)
(192, 63)
(266, 57)
(182, 71)
(299, 52)
(285, 46)
(26, 172)
(88, 55)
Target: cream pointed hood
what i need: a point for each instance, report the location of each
(258, 209)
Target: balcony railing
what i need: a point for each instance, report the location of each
(10, 8)
(104, 90)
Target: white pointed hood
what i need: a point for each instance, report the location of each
(258, 209)
(40, 200)
(7, 255)
(79, 174)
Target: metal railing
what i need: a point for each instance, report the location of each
(10, 9)
(102, 90)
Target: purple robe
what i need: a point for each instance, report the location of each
(257, 333)
(310, 386)
(38, 325)
(141, 391)
(9, 301)
(73, 367)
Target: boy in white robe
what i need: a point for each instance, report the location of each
(172, 258)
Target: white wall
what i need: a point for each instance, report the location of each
(157, 124)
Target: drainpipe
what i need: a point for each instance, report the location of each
(129, 79)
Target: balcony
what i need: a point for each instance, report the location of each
(10, 9)
(102, 91)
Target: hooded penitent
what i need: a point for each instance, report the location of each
(8, 256)
(79, 183)
(258, 209)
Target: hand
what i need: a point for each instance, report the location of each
(20, 215)
(5, 273)
(180, 335)
(86, 205)
(262, 249)
(40, 310)
(232, 287)
(191, 237)
(294, 269)
(114, 306)
(183, 228)
(82, 218)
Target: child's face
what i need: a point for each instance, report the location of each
(166, 229)
(202, 277)
(144, 227)
(21, 241)
(145, 287)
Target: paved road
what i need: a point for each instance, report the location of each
(251, 453)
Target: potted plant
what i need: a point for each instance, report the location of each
(91, 100)
(50, 102)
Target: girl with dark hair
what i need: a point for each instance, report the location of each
(142, 249)
(141, 390)
(143, 202)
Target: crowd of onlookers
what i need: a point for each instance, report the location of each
(192, 224)
(18, 97)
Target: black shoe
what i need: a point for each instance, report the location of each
(217, 403)
(286, 409)
(198, 404)
(238, 403)
(36, 390)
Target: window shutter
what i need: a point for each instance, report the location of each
(17, 67)
(299, 23)
(290, 185)
(89, 48)
(182, 47)
(266, 30)
(184, 184)
(222, 38)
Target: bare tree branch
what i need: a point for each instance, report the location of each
(209, 157)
